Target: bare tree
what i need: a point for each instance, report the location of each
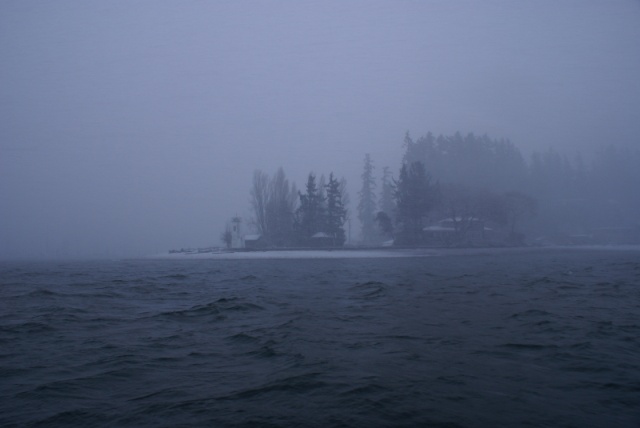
(280, 209)
(226, 237)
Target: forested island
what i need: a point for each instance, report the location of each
(452, 191)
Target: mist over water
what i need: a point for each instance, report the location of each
(177, 128)
(492, 338)
(132, 128)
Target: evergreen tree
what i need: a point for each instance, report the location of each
(471, 160)
(418, 151)
(367, 203)
(387, 204)
(344, 196)
(335, 212)
(518, 205)
(259, 199)
(322, 185)
(385, 225)
(415, 196)
(310, 213)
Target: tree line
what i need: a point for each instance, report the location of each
(470, 179)
(467, 181)
(286, 217)
(415, 200)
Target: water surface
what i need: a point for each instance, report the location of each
(482, 339)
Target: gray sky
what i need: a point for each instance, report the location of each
(129, 128)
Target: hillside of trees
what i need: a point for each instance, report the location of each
(460, 190)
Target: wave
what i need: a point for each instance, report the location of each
(370, 289)
(299, 384)
(176, 276)
(75, 418)
(27, 327)
(217, 309)
(42, 292)
(531, 346)
(531, 313)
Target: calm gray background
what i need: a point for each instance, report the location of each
(129, 128)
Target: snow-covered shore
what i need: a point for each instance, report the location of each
(301, 254)
(375, 252)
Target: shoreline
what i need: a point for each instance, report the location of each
(375, 252)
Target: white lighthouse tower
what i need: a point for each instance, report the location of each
(236, 233)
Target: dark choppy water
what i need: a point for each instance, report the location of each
(534, 338)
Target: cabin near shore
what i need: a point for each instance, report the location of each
(254, 242)
(321, 240)
(463, 231)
